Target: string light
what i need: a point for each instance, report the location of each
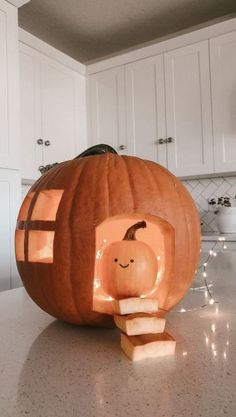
(203, 267)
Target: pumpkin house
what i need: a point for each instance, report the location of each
(106, 226)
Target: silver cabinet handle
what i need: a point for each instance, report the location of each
(170, 140)
(161, 141)
(40, 141)
(47, 143)
(122, 147)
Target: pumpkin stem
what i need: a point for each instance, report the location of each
(130, 232)
(97, 150)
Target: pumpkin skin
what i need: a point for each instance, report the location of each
(129, 269)
(92, 194)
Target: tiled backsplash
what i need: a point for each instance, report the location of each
(204, 189)
(201, 190)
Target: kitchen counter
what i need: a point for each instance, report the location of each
(53, 369)
(214, 236)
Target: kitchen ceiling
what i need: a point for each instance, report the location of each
(91, 29)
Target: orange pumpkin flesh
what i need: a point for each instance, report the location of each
(93, 189)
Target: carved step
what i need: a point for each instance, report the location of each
(139, 323)
(135, 305)
(147, 346)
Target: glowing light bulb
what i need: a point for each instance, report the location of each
(213, 328)
(214, 254)
(225, 355)
(227, 325)
(211, 301)
(224, 247)
(207, 340)
(204, 274)
(184, 353)
(211, 252)
(214, 352)
(104, 240)
(96, 283)
(213, 346)
(98, 254)
(205, 264)
(182, 310)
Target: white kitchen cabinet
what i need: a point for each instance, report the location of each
(223, 75)
(169, 110)
(10, 198)
(159, 107)
(145, 107)
(49, 111)
(188, 110)
(9, 144)
(107, 108)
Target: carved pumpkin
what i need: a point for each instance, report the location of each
(62, 218)
(129, 267)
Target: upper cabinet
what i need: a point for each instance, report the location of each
(223, 72)
(145, 109)
(188, 110)
(49, 112)
(107, 108)
(9, 106)
(158, 108)
(169, 110)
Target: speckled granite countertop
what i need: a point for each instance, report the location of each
(51, 369)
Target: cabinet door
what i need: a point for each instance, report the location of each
(107, 108)
(10, 199)
(58, 111)
(188, 110)
(223, 74)
(9, 143)
(30, 121)
(146, 109)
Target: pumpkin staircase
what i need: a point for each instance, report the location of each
(142, 331)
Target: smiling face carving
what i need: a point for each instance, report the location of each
(128, 267)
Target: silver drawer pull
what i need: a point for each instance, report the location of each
(47, 143)
(122, 147)
(39, 141)
(170, 140)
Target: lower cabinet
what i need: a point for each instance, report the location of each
(10, 198)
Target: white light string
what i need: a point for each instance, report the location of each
(203, 267)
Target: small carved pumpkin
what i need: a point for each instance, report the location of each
(57, 226)
(129, 267)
